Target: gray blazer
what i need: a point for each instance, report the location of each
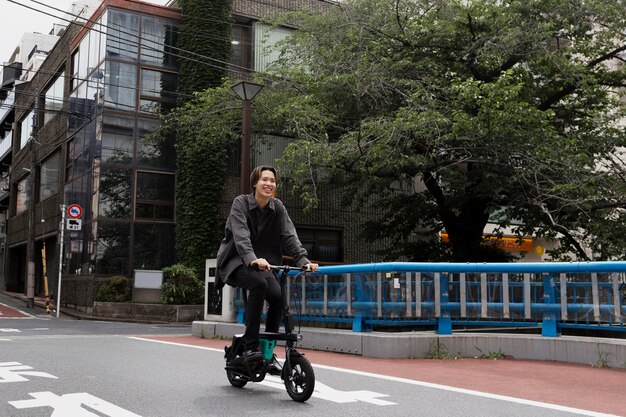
(252, 233)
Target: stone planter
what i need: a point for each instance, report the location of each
(148, 312)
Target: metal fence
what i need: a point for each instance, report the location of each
(550, 296)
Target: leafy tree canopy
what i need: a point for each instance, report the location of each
(453, 113)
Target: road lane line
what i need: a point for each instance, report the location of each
(423, 384)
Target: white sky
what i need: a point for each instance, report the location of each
(15, 20)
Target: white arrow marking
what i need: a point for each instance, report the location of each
(324, 392)
(70, 405)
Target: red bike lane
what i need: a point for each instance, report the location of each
(584, 387)
(10, 312)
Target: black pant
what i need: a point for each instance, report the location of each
(261, 286)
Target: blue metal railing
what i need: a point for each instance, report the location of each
(550, 296)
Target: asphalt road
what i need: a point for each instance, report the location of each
(72, 368)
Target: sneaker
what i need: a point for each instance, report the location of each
(273, 366)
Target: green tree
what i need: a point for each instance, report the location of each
(205, 130)
(449, 113)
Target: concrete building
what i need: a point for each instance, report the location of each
(80, 128)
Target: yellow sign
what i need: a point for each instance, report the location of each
(505, 243)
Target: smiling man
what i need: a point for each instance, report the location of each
(258, 233)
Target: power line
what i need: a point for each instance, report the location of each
(174, 94)
(242, 70)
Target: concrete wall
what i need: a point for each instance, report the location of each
(582, 350)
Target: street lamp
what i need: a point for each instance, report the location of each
(246, 91)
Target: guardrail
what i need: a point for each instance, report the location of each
(550, 296)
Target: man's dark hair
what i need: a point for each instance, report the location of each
(256, 174)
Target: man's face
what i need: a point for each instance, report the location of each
(266, 185)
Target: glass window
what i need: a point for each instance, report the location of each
(26, 129)
(83, 57)
(265, 39)
(120, 86)
(159, 84)
(22, 200)
(241, 51)
(53, 97)
(155, 196)
(78, 107)
(157, 38)
(267, 149)
(322, 245)
(49, 176)
(112, 248)
(94, 48)
(154, 246)
(122, 35)
(75, 65)
(117, 140)
(114, 190)
(152, 152)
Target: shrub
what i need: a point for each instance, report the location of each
(115, 289)
(181, 286)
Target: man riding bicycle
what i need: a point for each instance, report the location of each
(258, 233)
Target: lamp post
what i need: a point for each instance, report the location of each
(246, 91)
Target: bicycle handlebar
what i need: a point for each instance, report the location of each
(288, 268)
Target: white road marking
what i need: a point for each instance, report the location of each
(70, 405)
(15, 371)
(5, 330)
(324, 392)
(427, 385)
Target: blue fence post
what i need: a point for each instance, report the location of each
(361, 293)
(549, 326)
(444, 323)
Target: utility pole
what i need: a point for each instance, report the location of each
(61, 241)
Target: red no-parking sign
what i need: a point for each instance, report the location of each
(74, 211)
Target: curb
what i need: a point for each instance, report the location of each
(600, 352)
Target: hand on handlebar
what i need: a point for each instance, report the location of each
(312, 267)
(261, 264)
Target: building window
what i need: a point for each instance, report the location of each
(267, 149)
(157, 39)
(114, 191)
(122, 35)
(26, 129)
(22, 200)
(54, 98)
(120, 86)
(153, 245)
(152, 152)
(322, 245)
(75, 65)
(155, 196)
(112, 248)
(241, 54)
(265, 39)
(49, 176)
(159, 84)
(117, 140)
